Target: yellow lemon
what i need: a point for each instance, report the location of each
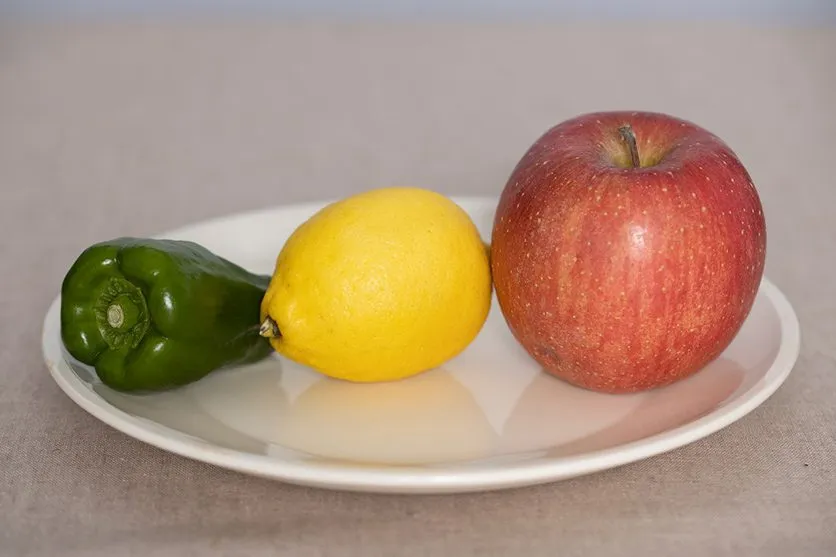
(379, 286)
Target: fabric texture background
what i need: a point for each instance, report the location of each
(116, 129)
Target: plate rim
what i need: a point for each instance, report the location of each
(415, 479)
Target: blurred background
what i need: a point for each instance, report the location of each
(775, 11)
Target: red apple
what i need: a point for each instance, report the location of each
(627, 250)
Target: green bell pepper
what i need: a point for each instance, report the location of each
(151, 315)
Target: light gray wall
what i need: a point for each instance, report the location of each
(803, 11)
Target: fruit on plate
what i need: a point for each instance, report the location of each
(150, 315)
(627, 250)
(379, 286)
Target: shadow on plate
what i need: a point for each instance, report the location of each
(565, 420)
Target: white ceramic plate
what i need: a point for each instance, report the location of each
(488, 419)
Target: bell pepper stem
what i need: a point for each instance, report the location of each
(122, 314)
(115, 316)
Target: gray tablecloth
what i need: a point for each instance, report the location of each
(109, 129)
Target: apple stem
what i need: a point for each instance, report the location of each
(629, 138)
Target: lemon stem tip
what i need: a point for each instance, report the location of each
(269, 328)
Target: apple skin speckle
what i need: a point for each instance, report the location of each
(615, 310)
